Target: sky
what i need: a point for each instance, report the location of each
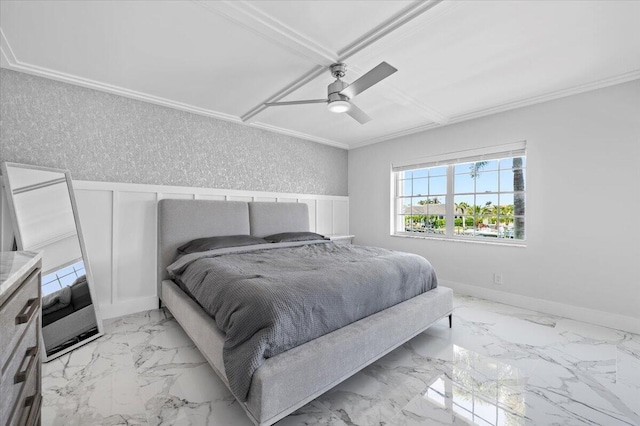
(62, 277)
(493, 179)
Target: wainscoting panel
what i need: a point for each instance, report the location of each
(340, 218)
(324, 217)
(119, 222)
(135, 247)
(97, 230)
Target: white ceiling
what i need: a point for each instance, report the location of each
(456, 59)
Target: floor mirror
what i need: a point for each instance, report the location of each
(45, 218)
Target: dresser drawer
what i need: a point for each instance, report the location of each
(21, 369)
(27, 408)
(16, 314)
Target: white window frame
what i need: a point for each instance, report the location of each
(450, 160)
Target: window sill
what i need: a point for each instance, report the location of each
(522, 244)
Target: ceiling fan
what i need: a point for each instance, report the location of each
(340, 93)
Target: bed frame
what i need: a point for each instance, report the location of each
(291, 379)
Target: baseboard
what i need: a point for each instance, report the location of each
(591, 316)
(128, 307)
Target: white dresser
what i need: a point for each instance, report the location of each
(20, 382)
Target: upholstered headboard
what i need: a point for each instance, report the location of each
(274, 218)
(180, 221)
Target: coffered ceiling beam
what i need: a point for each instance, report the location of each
(395, 22)
(250, 17)
(253, 19)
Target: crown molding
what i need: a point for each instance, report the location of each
(299, 135)
(16, 65)
(91, 84)
(395, 135)
(4, 62)
(251, 18)
(5, 48)
(508, 106)
(116, 90)
(549, 96)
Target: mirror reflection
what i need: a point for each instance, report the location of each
(44, 216)
(68, 316)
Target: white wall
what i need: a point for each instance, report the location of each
(583, 206)
(119, 224)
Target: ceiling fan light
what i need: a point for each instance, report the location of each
(339, 106)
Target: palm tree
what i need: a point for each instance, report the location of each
(518, 198)
(488, 208)
(462, 208)
(474, 170)
(477, 211)
(506, 212)
(518, 188)
(476, 167)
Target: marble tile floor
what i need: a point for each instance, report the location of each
(499, 365)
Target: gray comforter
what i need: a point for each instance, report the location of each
(269, 300)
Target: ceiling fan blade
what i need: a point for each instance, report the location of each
(359, 115)
(377, 74)
(310, 101)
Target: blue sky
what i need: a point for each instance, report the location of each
(496, 176)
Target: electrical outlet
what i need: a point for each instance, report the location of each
(497, 279)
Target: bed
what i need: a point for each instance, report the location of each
(285, 381)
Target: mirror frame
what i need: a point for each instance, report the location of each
(83, 250)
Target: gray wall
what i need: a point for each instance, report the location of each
(104, 137)
(582, 201)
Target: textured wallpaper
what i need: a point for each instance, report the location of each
(104, 137)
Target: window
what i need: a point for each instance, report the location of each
(476, 197)
(422, 195)
(62, 278)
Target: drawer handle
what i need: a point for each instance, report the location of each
(21, 375)
(29, 401)
(27, 311)
(31, 404)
